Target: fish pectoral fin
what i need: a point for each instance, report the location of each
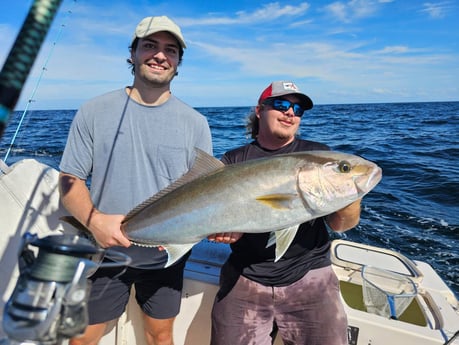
(281, 234)
(176, 251)
(277, 201)
(271, 239)
(283, 239)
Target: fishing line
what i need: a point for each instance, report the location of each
(49, 301)
(31, 99)
(54, 267)
(58, 256)
(23, 54)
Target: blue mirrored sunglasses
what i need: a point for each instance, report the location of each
(284, 105)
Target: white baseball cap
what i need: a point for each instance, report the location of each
(151, 25)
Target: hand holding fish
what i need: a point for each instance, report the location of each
(345, 218)
(225, 237)
(265, 195)
(106, 229)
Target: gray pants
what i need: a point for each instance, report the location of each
(307, 312)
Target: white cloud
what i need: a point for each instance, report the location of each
(394, 49)
(267, 12)
(231, 54)
(436, 10)
(354, 9)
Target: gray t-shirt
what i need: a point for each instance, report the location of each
(130, 152)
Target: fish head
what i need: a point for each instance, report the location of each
(328, 181)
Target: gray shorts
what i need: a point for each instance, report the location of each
(307, 312)
(158, 292)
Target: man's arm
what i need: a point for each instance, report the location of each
(105, 228)
(346, 218)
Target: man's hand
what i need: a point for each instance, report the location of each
(106, 229)
(346, 218)
(225, 237)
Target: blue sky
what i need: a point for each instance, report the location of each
(358, 51)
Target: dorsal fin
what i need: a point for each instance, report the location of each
(203, 165)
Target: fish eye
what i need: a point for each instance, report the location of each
(344, 167)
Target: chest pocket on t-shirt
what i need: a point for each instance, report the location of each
(171, 163)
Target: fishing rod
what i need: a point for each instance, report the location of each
(31, 98)
(49, 302)
(23, 54)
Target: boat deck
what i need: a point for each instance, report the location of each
(431, 318)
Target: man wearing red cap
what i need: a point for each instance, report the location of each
(132, 143)
(297, 296)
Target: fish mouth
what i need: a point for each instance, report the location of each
(365, 184)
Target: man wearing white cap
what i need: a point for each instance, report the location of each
(297, 296)
(132, 143)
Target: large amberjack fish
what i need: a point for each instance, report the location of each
(273, 194)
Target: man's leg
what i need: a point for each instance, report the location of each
(310, 310)
(159, 294)
(107, 301)
(91, 336)
(158, 331)
(244, 315)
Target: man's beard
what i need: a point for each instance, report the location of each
(283, 136)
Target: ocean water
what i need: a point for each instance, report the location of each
(413, 210)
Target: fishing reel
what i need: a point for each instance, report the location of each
(49, 301)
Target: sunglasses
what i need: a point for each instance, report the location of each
(284, 105)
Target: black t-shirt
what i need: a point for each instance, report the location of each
(251, 258)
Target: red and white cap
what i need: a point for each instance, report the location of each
(281, 88)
